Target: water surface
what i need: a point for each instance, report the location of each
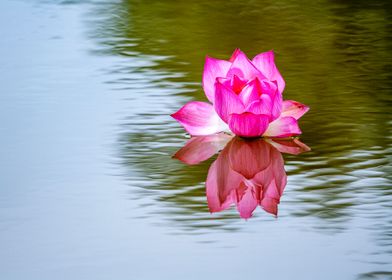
(88, 188)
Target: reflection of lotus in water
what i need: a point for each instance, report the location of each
(246, 173)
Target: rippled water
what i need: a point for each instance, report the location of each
(89, 189)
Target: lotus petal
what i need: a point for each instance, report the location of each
(247, 203)
(226, 102)
(248, 124)
(251, 92)
(235, 54)
(261, 106)
(213, 68)
(236, 84)
(244, 68)
(199, 118)
(249, 157)
(283, 127)
(293, 147)
(293, 109)
(265, 62)
(201, 148)
(220, 183)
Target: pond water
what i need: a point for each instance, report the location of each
(89, 188)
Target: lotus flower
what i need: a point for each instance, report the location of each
(246, 173)
(246, 98)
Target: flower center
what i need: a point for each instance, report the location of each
(237, 84)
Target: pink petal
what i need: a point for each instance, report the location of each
(249, 157)
(294, 147)
(272, 195)
(235, 83)
(261, 106)
(199, 118)
(226, 102)
(220, 184)
(235, 54)
(248, 124)
(283, 127)
(265, 62)
(263, 178)
(279, 176)
(271, 89)
(213, 68)
(276, 166)
(277, 105)
(293, 109)
(270, 205)
(251, 92)
(248, 203)
(244, 68)
(274, 187)
(201, 148)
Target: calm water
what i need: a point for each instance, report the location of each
(89, 189)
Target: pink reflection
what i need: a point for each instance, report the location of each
(246, 173)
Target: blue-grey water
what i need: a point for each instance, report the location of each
(88, 186)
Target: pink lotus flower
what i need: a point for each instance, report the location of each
(246, 173)
(246, 97)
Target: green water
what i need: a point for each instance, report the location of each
(88, 188)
